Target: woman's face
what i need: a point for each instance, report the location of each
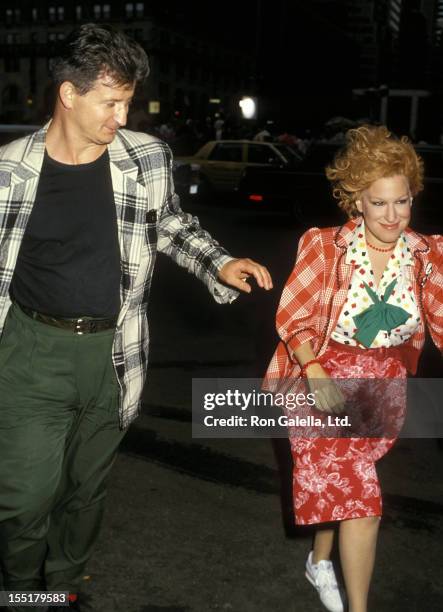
(386, 209)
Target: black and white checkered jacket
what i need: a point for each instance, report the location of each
(149, 219)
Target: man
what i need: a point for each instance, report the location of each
(84, 206)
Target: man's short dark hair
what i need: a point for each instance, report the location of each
(93, 50)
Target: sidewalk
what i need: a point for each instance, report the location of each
(182, 537)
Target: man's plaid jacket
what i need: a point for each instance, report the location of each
(149, 219)
(317, 288)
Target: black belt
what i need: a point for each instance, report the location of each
(82, 325)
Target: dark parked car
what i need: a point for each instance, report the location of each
(304, 191)
(222, 162)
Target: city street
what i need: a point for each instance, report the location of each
(196, 525)
(278, 104)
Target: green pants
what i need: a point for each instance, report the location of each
(59, 436)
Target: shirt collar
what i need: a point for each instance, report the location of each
(357, 252)
(403, 252)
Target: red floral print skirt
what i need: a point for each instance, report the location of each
(335, 478)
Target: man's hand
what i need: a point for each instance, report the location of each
(236, 271)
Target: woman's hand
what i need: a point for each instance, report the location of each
(328, 397)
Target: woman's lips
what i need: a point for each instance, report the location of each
(393, 226)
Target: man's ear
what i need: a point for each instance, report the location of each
(66, 94)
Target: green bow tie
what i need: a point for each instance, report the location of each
(379, 316)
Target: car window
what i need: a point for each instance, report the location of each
(262, 154)
(291, 156)
(230, 152)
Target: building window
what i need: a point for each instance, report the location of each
(180, 68)
(192, 72)
(12, 39)
(78, 12)
(163, 90)
(52, 37)
(60, 36)
(34, 14)
(11, 95)
(33, 37)
(51, 14)
(102, 11)
(164, 64)
(129, 10)
(165, 39)
(12, 64)
(12, 16)
(139, 9)
(60, 13)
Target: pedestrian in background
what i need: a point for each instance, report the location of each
(218, 127)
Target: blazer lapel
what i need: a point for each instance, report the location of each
(341, 275)
(31, 164)
(130, 202)
(20, 181)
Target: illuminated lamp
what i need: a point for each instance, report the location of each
(248, 107)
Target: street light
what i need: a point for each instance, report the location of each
(248, 107)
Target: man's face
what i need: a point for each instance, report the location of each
(97, 115)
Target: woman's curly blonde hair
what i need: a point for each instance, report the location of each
(370, 153)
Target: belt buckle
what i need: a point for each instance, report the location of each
(82, 326)
(78, 329)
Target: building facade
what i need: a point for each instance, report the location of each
(188, 68)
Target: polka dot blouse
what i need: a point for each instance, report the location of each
(359, 300)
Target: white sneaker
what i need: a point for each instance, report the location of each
(322, 577)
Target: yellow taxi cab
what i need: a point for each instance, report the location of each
(222, 162)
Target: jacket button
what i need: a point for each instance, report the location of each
(151, 216)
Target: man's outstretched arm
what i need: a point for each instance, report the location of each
(182, 238)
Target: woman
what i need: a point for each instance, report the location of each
(355, 306)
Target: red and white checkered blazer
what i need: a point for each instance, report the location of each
(316, 290)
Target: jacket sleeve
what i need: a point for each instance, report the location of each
(433, 293)
(182, 238)
(300, 300)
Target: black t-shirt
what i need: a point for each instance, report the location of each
(69, 260)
